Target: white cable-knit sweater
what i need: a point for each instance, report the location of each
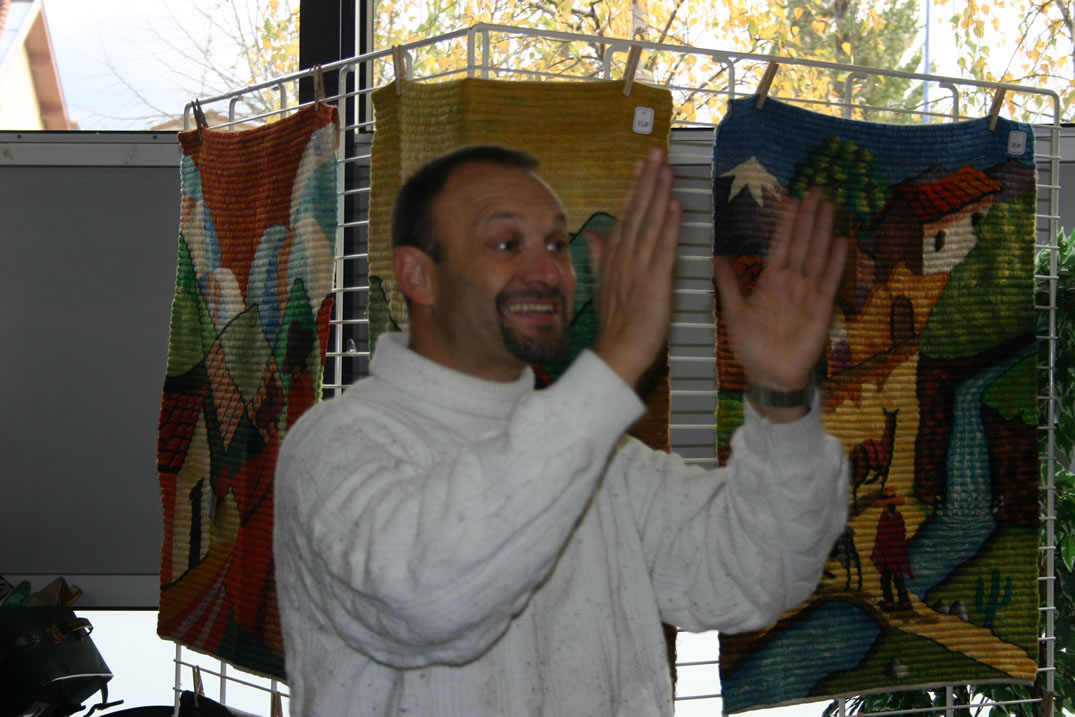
(452, 546)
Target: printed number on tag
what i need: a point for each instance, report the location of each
(643, 123)
(1016, 142)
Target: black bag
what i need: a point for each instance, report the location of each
(48, 664)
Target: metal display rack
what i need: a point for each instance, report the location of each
(492, 51)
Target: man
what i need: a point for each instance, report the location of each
(451, 542)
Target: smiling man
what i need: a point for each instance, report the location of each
(495, 293)
(450, 541)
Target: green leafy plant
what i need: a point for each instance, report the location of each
(1062, 455)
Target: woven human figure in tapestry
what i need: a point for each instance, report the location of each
(890, 554)
(453, 541)
(845, 551)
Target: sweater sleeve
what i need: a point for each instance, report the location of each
(732, 548)
(415, 557)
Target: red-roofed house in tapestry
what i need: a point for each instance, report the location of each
(30, 94)
(941, 213)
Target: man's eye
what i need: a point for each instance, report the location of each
(505, 245)
(557, 246)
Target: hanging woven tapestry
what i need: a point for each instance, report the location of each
(249, 330)
(929, 382)
(586, 137)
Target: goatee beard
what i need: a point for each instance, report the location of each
(545, 348)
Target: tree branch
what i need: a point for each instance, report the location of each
(667, 26)
(1065, 12)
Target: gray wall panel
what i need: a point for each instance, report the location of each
(87, 276)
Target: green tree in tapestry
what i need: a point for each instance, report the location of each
(851, 179)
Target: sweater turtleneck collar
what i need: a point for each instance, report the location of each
(430, 382)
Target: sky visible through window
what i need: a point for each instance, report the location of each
(129, 64)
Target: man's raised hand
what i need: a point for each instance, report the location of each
(636, 272)
(778, 332)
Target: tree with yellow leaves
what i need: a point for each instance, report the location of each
(847, 31)
(860, 33)
(1024, 42)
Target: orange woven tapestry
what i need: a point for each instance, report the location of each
(928, 381)
(249, 329)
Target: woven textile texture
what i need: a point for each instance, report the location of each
(929, 382)
(249, 330)
(582, 134)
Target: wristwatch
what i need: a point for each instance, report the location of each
(766, 397)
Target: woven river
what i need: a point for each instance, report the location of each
(929, 382)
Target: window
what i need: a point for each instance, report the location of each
(134, 64)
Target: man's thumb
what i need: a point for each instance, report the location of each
(595, 244)
(731, 298)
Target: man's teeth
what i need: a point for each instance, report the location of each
(524, 308)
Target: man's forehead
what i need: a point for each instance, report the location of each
(512, 215)
(498, 191)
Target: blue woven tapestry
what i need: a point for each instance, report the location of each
(929, 382)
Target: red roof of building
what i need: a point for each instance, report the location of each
(930, 202)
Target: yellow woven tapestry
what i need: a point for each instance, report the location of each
(586, 137)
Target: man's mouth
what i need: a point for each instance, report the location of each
(531, 302)
(534, 324)
(531, 307)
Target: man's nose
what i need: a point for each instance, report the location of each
(543, 266)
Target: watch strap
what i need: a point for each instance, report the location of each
(768, 397)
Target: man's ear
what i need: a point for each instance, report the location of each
(414, 272)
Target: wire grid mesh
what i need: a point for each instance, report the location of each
(495, 51)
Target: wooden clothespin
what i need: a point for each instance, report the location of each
(319, 85)
(399, 64)
(766, 83)
(199, 688)
(277, 705)
(199, 121)
(994, 109)
(629, 71)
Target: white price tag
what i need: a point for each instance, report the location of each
(643, 123)
(1016, 142)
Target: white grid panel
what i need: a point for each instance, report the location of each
(692, 333)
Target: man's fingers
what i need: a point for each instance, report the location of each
(835, 270)
(628, 202)
(635, 214)
(802, 230)
(818, 253)
(654, 225)
(667, 241)
(778, 243)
